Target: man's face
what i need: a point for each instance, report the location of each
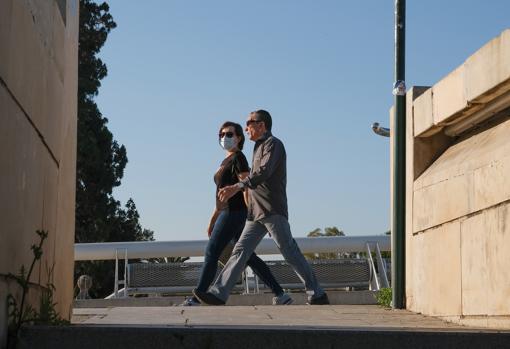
(255, 128)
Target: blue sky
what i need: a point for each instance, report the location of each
(323, 69)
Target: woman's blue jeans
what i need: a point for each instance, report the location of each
(229, 226)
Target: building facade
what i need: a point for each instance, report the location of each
(458, 192)
(38, 120)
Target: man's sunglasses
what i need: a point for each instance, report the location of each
(228, 134)
(249, 122)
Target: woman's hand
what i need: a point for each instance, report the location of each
(210, 229)
(226, 193)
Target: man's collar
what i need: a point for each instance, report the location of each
(265, 136)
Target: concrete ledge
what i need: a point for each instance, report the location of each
(108, 337)
(481, 79)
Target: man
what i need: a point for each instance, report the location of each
(267, 213)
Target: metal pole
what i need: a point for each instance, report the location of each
(399, 166)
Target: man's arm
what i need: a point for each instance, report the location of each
(271, 156)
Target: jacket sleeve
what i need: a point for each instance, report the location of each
(272, 154)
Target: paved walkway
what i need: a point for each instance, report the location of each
(255, 327)
(364, 317)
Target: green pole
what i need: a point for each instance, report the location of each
(399, 164)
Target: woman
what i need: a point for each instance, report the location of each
(228, 218)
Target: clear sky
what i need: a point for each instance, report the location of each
(323, 69)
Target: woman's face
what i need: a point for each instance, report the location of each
(229, 132)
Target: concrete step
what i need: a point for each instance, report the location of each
(225, 337)
(335, 297)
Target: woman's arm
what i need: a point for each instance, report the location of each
(214, 216)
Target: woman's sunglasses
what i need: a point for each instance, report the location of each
(228, 134)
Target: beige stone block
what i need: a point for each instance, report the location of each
(21, 207)
(489, 322)
(449, 164)
(474, 232)
(491, 184)
(488, 68)
(468, 155)
(42, 17)
(66, 218)
(487, 147)
(26, 73)
(5, 30)
(449, 96)
(437, 269)
(53, 114)
(498, 241)
(474, 322)
(411, 96)
(49, 219)
(441, 202)
(470, 176)
(423, 113)
(58, 41)
(499, 322)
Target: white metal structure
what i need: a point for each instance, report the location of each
(160, 249)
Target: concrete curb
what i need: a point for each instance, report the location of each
(126, 337)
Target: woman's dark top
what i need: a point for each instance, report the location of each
(227, 175)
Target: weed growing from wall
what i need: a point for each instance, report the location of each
(21, 313)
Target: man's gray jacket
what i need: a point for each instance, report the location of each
(267, 181)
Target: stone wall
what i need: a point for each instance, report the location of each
(458, 191)
(38, 102)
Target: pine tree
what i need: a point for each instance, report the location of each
(100, 159)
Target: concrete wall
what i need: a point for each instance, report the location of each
(458, 192)
(38, 103)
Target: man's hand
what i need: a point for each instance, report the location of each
(227, 192)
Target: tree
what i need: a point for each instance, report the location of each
(328, 231)
(333, 231)
(100, 159)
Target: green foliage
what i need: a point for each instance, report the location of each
(386, 254)
(328, 231)
(19, 312)
(100, 159)
(384, 297)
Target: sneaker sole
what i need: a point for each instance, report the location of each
(287, 302)
(205, 301)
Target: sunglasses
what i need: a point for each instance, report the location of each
(249, 122)
(228, 134)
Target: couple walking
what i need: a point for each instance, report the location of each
(250, 204)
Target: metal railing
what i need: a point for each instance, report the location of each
(196, 248)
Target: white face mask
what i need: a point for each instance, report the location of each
(228, 143)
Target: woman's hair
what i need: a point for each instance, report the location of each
(238, 131)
